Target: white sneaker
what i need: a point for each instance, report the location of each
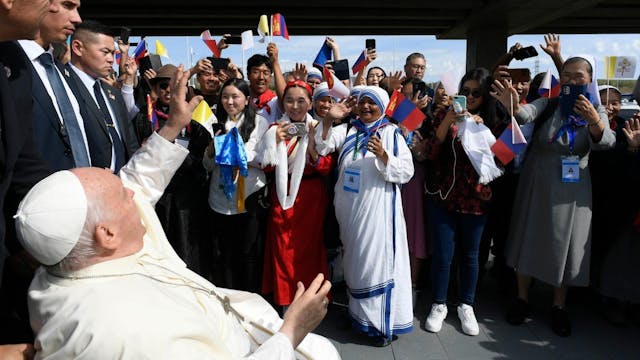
(436, 317)
(468, 320)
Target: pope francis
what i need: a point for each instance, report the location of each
(111, 286)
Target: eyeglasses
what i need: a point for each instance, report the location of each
(378, 76)
(418, 67)
(163, 85)
(475, 93)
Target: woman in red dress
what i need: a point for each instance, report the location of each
(294, 249)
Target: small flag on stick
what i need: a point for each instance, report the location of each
(404, 111)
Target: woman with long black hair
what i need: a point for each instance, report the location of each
(234, 197)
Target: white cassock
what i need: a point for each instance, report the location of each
(149, 305)
(373, 230)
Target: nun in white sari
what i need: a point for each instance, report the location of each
(373, 161)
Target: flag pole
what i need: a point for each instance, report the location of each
(246, 75)
(271, 28)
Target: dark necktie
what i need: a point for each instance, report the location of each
(118, 146)
(69, 119)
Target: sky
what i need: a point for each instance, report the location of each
(442, 55)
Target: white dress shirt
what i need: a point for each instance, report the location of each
(88, 82)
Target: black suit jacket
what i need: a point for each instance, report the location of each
(100, 144)
(20, 164)
(53, 143)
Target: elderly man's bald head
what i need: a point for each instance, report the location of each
(73, 219)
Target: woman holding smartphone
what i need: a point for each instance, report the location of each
(550, 235)
(237, 213)
(458, 202)
(294, 249)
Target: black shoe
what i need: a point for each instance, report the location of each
(383, 341)
(560, 323)
(518, 312)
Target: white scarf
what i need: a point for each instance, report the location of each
(476, 140)
(276, 154)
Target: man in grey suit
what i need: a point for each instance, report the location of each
(58, 123)
(108, 127)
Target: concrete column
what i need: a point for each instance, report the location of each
(485, 44)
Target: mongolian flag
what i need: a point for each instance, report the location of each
(361, 63)
(549, 87)
(278, 26)
(141, 50)
(336, 88)
(404, 111)
(210, 42)
(511, 143)
(151, 114)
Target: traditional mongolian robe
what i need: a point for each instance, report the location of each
(294, 249)
(149, 305)
(372, 225)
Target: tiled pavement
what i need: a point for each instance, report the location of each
(592, 338)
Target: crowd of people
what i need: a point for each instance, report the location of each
(290, 168)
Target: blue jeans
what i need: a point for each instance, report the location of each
(447, 229)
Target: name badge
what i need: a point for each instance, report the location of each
(351, 180)
(570, 169)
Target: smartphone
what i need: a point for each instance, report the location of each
(297, 129)
(125, 32)
(524, 53)
(219, 63)
(370, 43)
(233, 39)
(341, 68)
(151, 61)
(459, 104)
(520, 75)
(422, 89)
(568, 96)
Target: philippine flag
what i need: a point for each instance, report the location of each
(511, 143)
(141, 50)
(549, 87)
(404, 111)
(210, 42)
(323, 56)
(118, 57)
(278, 26)
(360, 63)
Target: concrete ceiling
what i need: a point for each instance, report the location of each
(445, 19)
